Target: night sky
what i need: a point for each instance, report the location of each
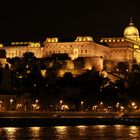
(36, 20)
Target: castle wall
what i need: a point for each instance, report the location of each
(120, 49)
(96, 62)
(18, 51)
(137, 56)
(121, 54)
(75, 49)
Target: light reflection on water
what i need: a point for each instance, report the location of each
(61, 132)
(35, 131)
(81, 129)
(134, 132)
(82, 132)
(11, 132)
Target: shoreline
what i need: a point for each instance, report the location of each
(57, 118)
(42, 122)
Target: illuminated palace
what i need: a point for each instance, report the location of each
(110, 50)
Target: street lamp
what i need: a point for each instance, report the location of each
(11, 101)
(101, 103)
(134, 106)
(36, 101)
(82, 102)
(117, 105)
(60, 102)
(36, 105)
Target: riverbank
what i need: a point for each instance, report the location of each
(27, 122)
(57, 118)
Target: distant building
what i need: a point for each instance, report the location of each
(127, 48)
(111, 50)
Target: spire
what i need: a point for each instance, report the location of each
(131, 21)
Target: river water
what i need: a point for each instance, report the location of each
(96, 132)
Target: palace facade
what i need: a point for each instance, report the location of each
(111, 50)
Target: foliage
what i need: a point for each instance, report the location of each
(122, 67)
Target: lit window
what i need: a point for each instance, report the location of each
(1, 45)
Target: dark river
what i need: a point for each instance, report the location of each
(96, 132)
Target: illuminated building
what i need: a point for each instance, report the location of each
(127, 48)
(111, 50)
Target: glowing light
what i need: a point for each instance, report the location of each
(34, 44)
(61, 129)
(133, 130)
(118, 127)
(35, 131)
(61, 101)
(11, 100)
(82, 102)
(81, 126)
(101, 126)
(64, 107)
(52, 40)
(94, 107)
(136, 47)
(81, 129)
(117, 105)
(101, 103)
(35, 106)
(133, 127)
(43, 73)
(85, 38)
(134, 106)
(133, 103)
(10, 132)
(131, 31)
(35, 128)
(89, 67)
(1, 45)
(36, 100)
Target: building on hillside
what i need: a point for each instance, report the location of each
(124, 49)
(109, 50)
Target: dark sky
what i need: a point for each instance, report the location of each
(35, 20)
